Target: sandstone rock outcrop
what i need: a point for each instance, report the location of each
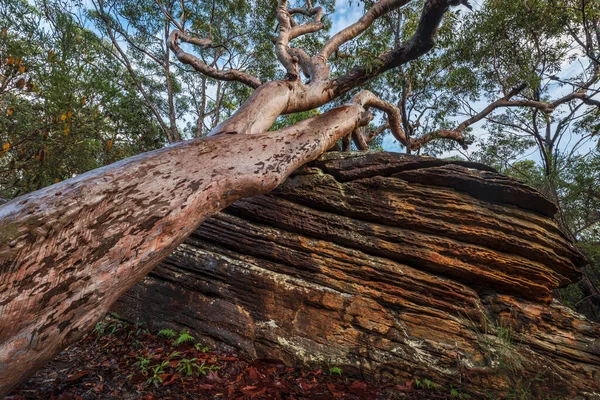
(387, 266)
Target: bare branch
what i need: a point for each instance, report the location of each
(283, 39)
(380, 8)
(288, 30)
(309, 27)
(198, 65)
(420, 43)
(368, 99)
(491, 107)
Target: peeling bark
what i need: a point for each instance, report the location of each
(67, 252)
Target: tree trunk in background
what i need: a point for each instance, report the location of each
(388, 266)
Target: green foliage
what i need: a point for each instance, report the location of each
(460, 395)
(429, 384)
(335, 371)
(167, 333)
(191, 368)
(65, 104)
(108, 327)
(184, 337)
(144, 364)
(156, 372)
(291, 119)
(201, 348)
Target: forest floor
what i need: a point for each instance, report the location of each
(117, 360)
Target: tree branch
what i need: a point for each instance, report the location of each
(420, 43)
(125, 60)
(380, 8)
(368, 99)
(283, 39)
(198, 65)
(288, 30)
(309, 27)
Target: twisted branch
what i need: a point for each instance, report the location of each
(288, 30)
(394, 123)
(420, 43)
(377, 10)
(198, 65)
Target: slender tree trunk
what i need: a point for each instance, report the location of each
(218, 103)
(170, 95)
(201, 112)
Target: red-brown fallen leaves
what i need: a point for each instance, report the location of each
(109, 364)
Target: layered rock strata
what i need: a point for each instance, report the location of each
(387, 266)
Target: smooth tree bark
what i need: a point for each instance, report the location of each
(67, 252)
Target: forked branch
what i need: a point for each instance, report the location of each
(289, 30)
(394, 123)
(380, 8)
(198, 65)
(420, 43)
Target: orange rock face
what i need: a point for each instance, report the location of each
(388, 266)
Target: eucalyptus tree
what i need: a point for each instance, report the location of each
(427, 91)
(67, 252)
(138, 32)
(537, 65)
(65, 106)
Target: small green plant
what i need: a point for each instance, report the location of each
(167, 333)
(199, 347)
(429, 384)
(154, 380)
(456, 393)
(505, 332)
(108, 328)
(190, 367)
(184, 337)
(157, 371)
(418, 383)
(144, 364)
(335, 371)
(134, 333)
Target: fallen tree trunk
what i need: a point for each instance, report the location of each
(67, 252)
(387, 266)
